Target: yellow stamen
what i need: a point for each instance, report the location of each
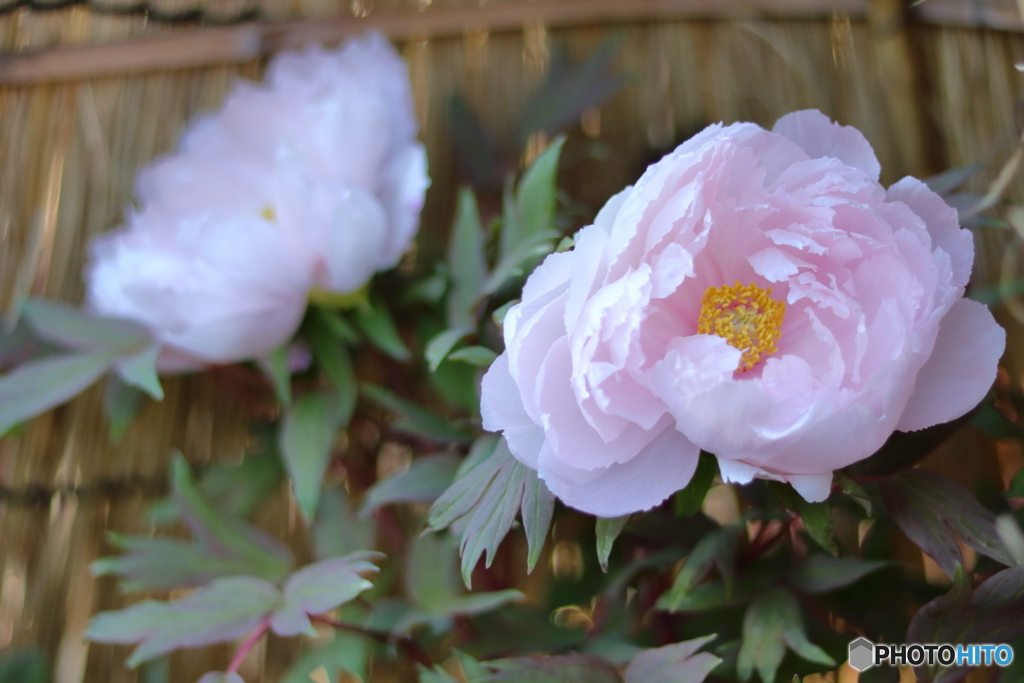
(269, 213)
(746, 317)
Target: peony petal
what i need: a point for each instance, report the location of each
(819, 137)
(960, 370)
(813, 487)
(660, 469)
(501, 407)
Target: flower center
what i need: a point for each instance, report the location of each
(746, 317)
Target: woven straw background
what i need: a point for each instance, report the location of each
(927, 97)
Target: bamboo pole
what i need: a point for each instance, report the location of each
(244, 42)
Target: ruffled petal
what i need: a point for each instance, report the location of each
(660, 469)
(819, 137)
(960, 370)
(501, 407)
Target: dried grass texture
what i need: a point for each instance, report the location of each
(68, 153)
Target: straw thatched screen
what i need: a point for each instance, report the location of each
(931, 89)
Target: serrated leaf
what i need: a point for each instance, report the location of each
(465, 262)
(607, 530)
(72, 328)
(226, 609)
(487, 498)
(816, 517)
(715, 549)
(934, 512)
(478, 603)
(574, 667)
(140, 371)
(319, 587)
(225, 546)
(824, 573)
(39, 385)
(307, 438)
(512, 263)
(538, 508)
(771, 624)
(689, 500)
(471, 668)
(676, 663)
(435, 675)
(375, 322)
(442, 343)
(221, 677)
(121, 403)
(275, 367)
(425, 480)
(480, 356)
(414, 419)
(266, 557)
(989, 613)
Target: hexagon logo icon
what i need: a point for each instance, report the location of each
(862, 654)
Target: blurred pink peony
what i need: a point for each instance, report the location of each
(757, 295)
(312, 180)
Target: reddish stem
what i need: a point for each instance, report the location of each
(250, 641)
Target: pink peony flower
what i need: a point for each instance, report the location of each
(313, 180)
(757, 295)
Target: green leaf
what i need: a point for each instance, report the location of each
(307, 438)
(267, 557)
(989, 613)
(1016, 489)
(226, 609)
(376, 323)
(501, 311)
(486, 498)
(607, 531)
(140, 371)
(224, 546)
(535, 198)
(715, 549)
(320, 587)
(538, 508)
(674, 663)
(343, 652)
(481, 356)
(334, 359)
(934, 512)
(990, 421)
(414, 419)
(75, 329)
(275, 367)
(335, 324)
(425, 480)
(441, 345)
(689, 500)
(951, 179)
(554, 669)
(24, 665)
(39, 385)
(465, 262)
(569, 90)
(513, 263)
(338, 530)
(816, 517)
(824, 573)
(771, 624)
(121, 403)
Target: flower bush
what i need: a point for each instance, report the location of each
(757, 295)
(311, 181)
(756, 310)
